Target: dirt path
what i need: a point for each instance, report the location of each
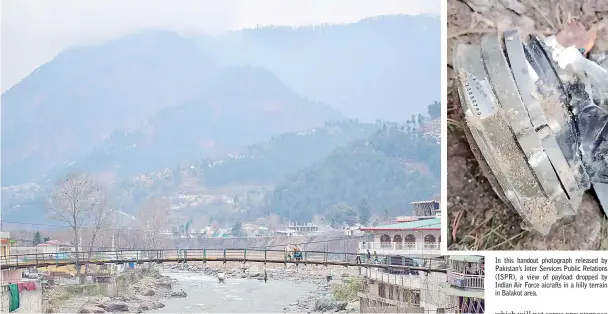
(483, 221)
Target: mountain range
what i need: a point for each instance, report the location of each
(258, 105)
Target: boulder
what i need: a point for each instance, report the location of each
(325, 304)
(90, 308)
(341, 306)
(165, 284)
(117, 306)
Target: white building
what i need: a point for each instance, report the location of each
(420, 237)
(304, 229)
(51, 247)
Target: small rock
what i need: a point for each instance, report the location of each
(179, 294)
(157, 305)
(149, 292)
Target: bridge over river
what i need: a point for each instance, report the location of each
(206, 255)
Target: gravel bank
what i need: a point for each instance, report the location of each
(321, 300)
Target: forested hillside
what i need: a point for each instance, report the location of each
(240, 106)
(264, 163)
(395, 166)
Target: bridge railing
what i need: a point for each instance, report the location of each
(182, 255)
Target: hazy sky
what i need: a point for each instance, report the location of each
(35, 31)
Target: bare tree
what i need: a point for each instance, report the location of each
(100, 220)
(152, 217)
(73, 201)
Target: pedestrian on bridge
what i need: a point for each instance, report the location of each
(358, 256)
(369, 257)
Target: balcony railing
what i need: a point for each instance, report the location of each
(467, 281)
(405, 246)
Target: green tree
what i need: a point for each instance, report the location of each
(37, 238)
(434, 110)
(46, 239)
(341, 214)
(420, 120)
(365, 211)
(235, 201)
(237, 229)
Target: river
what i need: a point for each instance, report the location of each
(205, 294)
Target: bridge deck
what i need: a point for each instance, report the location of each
(196, 255)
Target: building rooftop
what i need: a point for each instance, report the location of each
(424, 202)
(466, 258)
(422, 224)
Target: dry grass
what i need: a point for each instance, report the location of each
(348, 290)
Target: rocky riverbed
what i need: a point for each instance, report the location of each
(320, 299)
(134, 291)
(144, 290)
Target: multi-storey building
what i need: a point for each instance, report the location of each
(416, 236)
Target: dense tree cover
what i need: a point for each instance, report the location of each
(271, 161)
(264, 163)
(340, 215)
(384, 168)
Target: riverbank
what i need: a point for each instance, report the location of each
(133, 291)
(327, 279)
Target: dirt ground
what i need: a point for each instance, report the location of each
(478, 219)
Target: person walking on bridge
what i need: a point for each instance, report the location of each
(369, 257)
(358, 256)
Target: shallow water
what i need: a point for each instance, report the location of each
(205, 294)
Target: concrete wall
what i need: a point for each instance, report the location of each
(11, 275)
(381, 296)
(30, 301)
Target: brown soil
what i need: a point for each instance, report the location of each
(478, 219)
